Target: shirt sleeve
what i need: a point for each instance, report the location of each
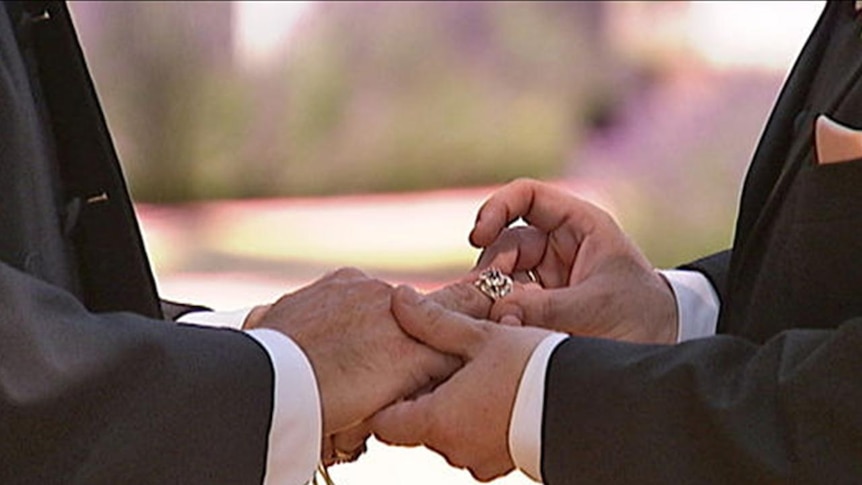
(697, 304)
(525, 427)
(295, 434)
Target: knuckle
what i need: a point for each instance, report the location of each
(380, 286)
(500, 310)
(479, 474)
(348, 272)
(464, 292)
(523, 182)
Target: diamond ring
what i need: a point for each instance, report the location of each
(494, 283)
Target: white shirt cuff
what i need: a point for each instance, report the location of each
(525, 428)
(295, 434)
(232, 319)
(697, 304)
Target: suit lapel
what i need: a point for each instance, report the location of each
(114, 270)
(827, 98)
(788, 139)
(778, 137)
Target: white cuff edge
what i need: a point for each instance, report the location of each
(231, 319)
(295, 434)
(525, 428)
(697, 304)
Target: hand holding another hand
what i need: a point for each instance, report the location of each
(466, 418)
(362, 360)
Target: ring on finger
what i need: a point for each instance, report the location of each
(494, 284)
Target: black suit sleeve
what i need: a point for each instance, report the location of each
(715, 267)
(715, 410)
(117, 398)
(172, 310)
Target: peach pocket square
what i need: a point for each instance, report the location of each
(836, 143)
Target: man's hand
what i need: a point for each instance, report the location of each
(592, 280)
(466, 419)
(463, 297)
(362, 360)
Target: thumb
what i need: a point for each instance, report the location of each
(255, 316)
(404, 423)
(536, 307)
(435, 326)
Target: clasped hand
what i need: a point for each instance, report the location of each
(437, 370)
(362, 360)
(590, 280)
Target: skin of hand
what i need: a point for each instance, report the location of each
(466, 418)
(462, 297)
(344, 325)
(592, 279)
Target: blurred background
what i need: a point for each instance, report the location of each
(267, 143)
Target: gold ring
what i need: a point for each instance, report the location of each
(343, 456)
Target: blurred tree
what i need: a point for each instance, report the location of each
(150, 60)
(419, 95)
(372, 96)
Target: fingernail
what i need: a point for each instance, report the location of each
(511, 321)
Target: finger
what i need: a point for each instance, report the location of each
(405, 423)
(555, 269)
(485, 472)
(517, 248)
(536, 307)
(462, 297)
(522, 277)
(327, 452)
(541, 205)
(347, 273)
(511, 321)
(432, 367)
(352, 441)
(255, 316)
(527, 279)
(435, 326)
(490, 220)
(507, 310)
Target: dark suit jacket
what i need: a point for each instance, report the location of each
(94, 386)
(776, 398)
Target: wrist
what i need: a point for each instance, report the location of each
(255, 316)
(668, 328)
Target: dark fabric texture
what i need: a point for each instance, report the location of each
(114, 398)
(774, 398)
(95, 388)
(715, 267)
(173, 310)
(100, 219)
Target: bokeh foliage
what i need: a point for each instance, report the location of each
(380, 96)
(369, 97)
